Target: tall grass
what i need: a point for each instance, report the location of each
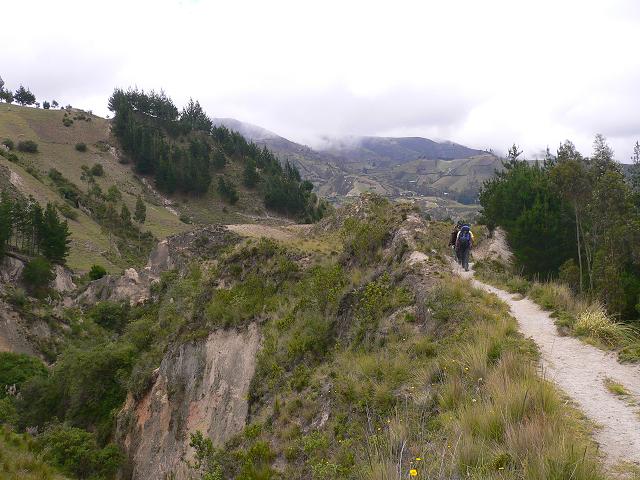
(490, 416)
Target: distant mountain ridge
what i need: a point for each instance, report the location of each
(394, 150)
(396, 167)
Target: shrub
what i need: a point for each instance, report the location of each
(77, 453)
(67, 122)
(7, 142)
(28, 146)
(102, 146)
(38, 274)
(81, 147)
(97, 170)
(227, 191)
(67, 211)
(184, 218)
(17, 368)
(96, 272)
(110, 315)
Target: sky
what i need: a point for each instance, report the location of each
(482, 73)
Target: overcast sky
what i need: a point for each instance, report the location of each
(485, 73)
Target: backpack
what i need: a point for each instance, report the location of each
(464, 239)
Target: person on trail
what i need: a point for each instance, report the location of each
(464, 243)
(454, 238)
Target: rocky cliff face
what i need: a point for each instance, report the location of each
(201, 385)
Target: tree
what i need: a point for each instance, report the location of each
(250, 175)
(113, 194)
(1, 83)
(125, 214)
(24, 96)
(602, 159)
(219, 160)
(6, 95)
(569, 175)
(46, 105)
(55, 236)
(140, 214)
(5, 223)
(38, 274)
(55, 104)
(227, 191)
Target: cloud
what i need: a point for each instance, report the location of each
(486, 74)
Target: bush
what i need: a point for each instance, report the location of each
(96, 272)
(38, 274)
(67, 211)
(81, 147)
(184, 218)
(110, 315)
(77, 453)
(17, 368)
(28, 146)
(97, 170)
(7, 142)
(67, 122)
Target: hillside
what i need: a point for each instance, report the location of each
(92, 240)
(28, 174)
(342, 350)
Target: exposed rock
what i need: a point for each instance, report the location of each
(11, 270)
(13, 333)
(63, 281)
(175, 252)
(201, 385)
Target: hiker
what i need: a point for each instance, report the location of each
(464, 243)
(454, 237)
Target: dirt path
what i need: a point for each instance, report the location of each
(580, 371)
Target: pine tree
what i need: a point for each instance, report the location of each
(140, 214)
(125, 215)
(5, 223)
(24, 96)
(55, 236)
(250, 175)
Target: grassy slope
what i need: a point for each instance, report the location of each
(56, 145)
(457, 395)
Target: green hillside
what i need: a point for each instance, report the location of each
(28, 173)
(60, 173)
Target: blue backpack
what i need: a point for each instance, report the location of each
(464, 239)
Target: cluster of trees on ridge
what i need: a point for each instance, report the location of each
(573, 217)
(181, 149)
(23, 96)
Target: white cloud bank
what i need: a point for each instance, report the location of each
(482, 73)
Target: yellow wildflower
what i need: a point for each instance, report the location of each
(413, 472)
(418, 459)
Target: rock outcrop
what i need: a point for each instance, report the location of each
(201, 385)
(174, 253)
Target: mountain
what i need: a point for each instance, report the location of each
(387, 151)
(441, 173)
